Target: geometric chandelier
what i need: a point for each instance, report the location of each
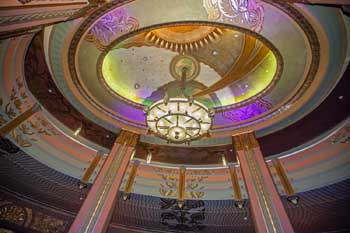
(179, 120)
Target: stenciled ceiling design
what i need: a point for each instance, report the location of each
(234, 68)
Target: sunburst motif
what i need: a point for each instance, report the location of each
(183, 39)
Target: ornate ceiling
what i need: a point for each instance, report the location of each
(267, 66)
(253, 74)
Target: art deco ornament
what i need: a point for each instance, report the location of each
(180, 119)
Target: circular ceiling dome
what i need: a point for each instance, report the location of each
(246, 67)
(226, 66)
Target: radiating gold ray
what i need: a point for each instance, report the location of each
(176, 38)
(244, 64)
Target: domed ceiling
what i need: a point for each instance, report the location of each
(261, 66)
(226, 66)
(255, 64)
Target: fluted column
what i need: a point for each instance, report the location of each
(265, 203)
(95, 213)
(17, 121)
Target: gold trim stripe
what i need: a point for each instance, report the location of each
(181, 191)
(91, 168)
(131, 179)
(245, 141)
(127, 138)
(19, 119)
(282, 175)
(237, 194)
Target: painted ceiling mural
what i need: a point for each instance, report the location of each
(247, 12)
(246, 70)
(127, 57)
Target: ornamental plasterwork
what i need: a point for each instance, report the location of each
(249, 111)
(248, 13)
(168, 186)
(12, 19)
(27, 218)
(110, 26)
(343, 135)
(170, 179)
(28, 131)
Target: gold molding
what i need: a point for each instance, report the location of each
(19, 119)
(245, 141)
(181, 189)
(282, 175)
(86, 177)
(127, 138)
(131, 179)
(237, 194)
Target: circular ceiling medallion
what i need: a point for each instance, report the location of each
(249, 66)
(179, 62)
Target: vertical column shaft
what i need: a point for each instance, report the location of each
(86, 177)
(181, 189)
(95, 213)
(17, 121)
(131, 179)
(287, 186)
(237, 194)
(266, 205)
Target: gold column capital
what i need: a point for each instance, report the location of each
(127, 138)
(245, 141)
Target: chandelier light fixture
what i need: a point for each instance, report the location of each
(179, 119)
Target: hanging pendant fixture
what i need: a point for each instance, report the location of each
(180, 119)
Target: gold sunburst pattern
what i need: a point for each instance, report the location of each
(185, 38)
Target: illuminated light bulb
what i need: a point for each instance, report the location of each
(132, 156)
(78, 130)
(149, 158)
(224, 163)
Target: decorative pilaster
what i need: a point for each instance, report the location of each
(19, 120)
(237, 194)
(181, 188)
(86, 177)
(131, 179)
(287, 186)
(266, 205)
(95, 213)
